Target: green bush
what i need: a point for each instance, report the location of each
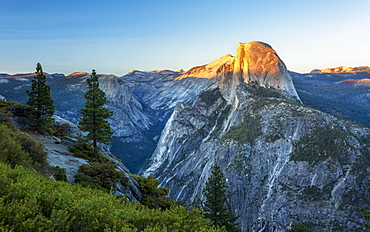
(4, 111)
(154, 197)
(59, 173)
(85, 150)
(299, 227)
(100, 175)
(11, 151)
(30, 202)
(82, 149)
(18, 148)
(34, 148)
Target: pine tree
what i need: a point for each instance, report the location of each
(215, 207)
(94, 115)
(40, 102)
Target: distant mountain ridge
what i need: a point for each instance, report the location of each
(345, 94)
(343, 69)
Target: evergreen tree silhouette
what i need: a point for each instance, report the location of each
(94, 115)
(215, 207)
(41, 104)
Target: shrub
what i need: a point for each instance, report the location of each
(18, 148)
(8, 109)
(11, 151)
(154, 197)
(81, 149)
(100, 175)
(59, 173)
(4, 111)
(35, 149)
(299, 227)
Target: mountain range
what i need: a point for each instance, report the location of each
(281, 138)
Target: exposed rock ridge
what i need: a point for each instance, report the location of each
(208, 71)
(255, 63)
(359, 81)
(343, 69)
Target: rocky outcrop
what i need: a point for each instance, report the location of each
(71, 128)
(158, 93)
(284, 163)
(132, 192)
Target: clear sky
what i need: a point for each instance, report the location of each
(116, 36)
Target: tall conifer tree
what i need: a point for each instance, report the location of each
(215, 207)
(40, 102)
(94, 115)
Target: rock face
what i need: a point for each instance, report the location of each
(285, 163)
(158, 93)
(162, 90)
(257, 62)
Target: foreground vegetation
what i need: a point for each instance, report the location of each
(30, 202)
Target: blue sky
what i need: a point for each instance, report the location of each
(116, 36)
